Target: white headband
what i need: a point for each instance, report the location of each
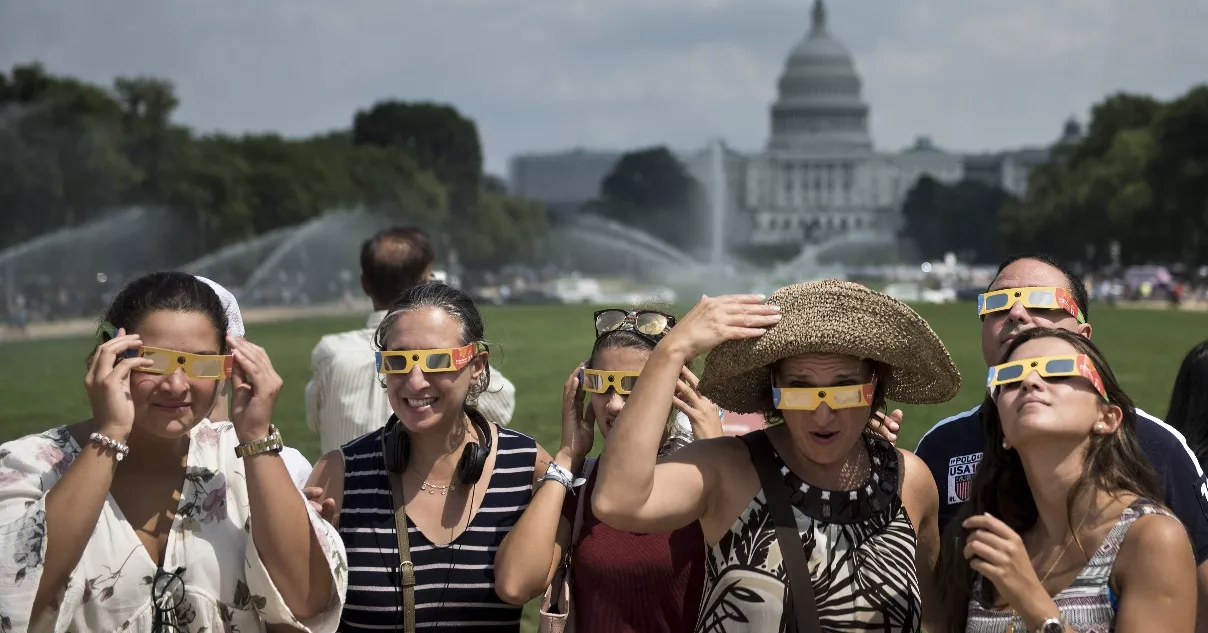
(234, 318)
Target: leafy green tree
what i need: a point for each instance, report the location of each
(960, 219)
(1179, 177)
(147, 106)
(651, 190)
(437, 136)
(71, 151)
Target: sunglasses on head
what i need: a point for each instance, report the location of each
(810, 398)
(1046, 298)
(1062, 366)
(402, 361)
(167, 594)
(651, 323)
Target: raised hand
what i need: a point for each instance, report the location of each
(108, 386)
(702, 413)
(997, 552)
(256, 387)
(578, 427)
(715, 320)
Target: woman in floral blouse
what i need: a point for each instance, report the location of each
(149, 517)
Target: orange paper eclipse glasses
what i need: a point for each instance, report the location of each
(1046, 298)
(1062, 366)
(428, 360)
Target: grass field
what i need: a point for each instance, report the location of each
(41, 382)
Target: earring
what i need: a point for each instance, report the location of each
(1099, 427)
(1005, 445)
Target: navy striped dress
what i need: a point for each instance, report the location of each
(454, 584)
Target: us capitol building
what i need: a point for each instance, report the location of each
(819, 174)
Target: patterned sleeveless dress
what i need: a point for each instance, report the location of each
(1088, 604)
(455, 583)
(860, 546)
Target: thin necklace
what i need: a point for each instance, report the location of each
(1011, 621)
(432, 488)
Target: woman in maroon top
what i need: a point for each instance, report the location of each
(622, 581)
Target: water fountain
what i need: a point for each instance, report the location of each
(719, 201)
(595, 245)
(591, 244)
(74, 271)
(316, 263)
(234, 264)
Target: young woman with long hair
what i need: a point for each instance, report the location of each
(623, 582)
(1063, 530)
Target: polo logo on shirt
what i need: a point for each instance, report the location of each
(960, 476)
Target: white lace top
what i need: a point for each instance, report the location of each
(226, 586)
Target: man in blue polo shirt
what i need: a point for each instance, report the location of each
(953, 447)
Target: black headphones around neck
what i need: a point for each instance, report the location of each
(396, 449)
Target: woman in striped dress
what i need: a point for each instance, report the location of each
(1063, 531)
(463, 481)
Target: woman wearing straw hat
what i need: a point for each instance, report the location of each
(813, 524)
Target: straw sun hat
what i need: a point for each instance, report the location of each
(836, 317)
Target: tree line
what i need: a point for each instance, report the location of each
(1137, 178)
(72, 151)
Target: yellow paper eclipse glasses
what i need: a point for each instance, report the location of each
(600, 381)
(809, 398)
(1047, 366)
(166, 361)
(1048, 298)
(402, 361)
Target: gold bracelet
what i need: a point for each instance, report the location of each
(271, 443)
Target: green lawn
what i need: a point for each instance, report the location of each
(536, 346)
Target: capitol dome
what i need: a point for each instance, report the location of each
(819, 105)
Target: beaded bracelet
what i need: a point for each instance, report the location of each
(121, 449)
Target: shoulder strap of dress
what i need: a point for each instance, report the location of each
(1100, 566)
(792, 548)
(589, 465)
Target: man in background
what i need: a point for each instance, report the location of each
(344, 399)
(953, 448)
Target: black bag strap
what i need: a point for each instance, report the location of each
(792, 548)
(406, 568)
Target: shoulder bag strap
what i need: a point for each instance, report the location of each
(792, 548)
(406, 568)
(588, 465)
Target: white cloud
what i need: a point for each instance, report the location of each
(547, 74)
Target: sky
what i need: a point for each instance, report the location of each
(546, 75)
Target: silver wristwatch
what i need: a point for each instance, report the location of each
(1052, 625)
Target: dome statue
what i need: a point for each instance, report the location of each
(819, 105)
